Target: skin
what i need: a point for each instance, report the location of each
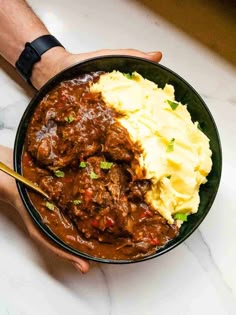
(13, 36)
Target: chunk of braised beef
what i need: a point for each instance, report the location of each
(62, 133)
(117, 179)
(40, 140)
(138, 189)
(156, 231)
(118, 145)
(52, 187)
(94, 165)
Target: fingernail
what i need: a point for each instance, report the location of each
(78, 267)
(153, 53)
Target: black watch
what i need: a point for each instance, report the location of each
(32, 54)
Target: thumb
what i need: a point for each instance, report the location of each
(155, 56)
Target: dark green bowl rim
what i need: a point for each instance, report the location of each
(32, 210)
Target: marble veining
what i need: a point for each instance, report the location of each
(202, 252)
(197, 277)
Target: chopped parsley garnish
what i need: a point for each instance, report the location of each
(169, 176)
(69, 119)
(50, 206)
(128, 75)
(93, 175)
(170, 147)
(106, 165)
(198, 125)
(172, 104)
(83, 164)
(59, 173)
(77, 202)
(181, 216)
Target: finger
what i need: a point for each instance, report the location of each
(80, 264)
(153, 56)
(84, 269)
(39, 237)
(8, 190)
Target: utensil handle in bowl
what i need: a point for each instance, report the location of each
(9, 171)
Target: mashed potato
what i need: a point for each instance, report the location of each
(176, 154)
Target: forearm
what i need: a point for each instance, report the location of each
(18, 25)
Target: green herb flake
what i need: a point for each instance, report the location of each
(170, 146)
(106, 165)
(172, 104)
(83, 164)
(169, 176)
(128, 76)
(198, 125)
(59, 173)
(69, 119)
(181, 216)
(93, 175)
(77, 202)
(50, 206)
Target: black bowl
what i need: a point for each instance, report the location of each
(183, 92)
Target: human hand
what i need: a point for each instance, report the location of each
(9, 194)
(57, 59)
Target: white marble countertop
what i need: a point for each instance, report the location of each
(199, 276)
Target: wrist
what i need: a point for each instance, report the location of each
(50, 64)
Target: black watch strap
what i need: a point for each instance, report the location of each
(32, 54)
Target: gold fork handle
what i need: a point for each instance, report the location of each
(9, 171)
